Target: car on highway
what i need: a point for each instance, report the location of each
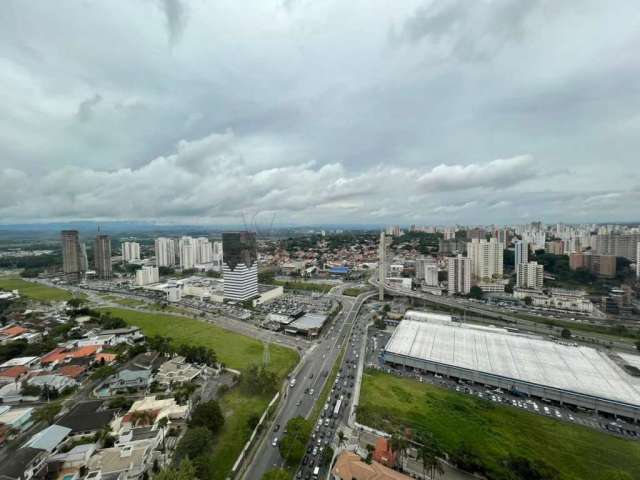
(275, 442)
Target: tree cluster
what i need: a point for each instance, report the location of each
(294, 442)
(208, 415)
(257, 380)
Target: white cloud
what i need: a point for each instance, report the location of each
(497, 174)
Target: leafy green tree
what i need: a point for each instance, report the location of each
(76, 302)
(327, 456)
(195, 442)
(209, 415)
(475, 292)
(528, 300)
(185, 471)
(293, 444)
(379, 323)
(257, 380)
(276, 474)
(47, 413)
(566, 333)
(428, 452)
(101, 373)
(638, 345)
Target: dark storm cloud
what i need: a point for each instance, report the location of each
(176, 16)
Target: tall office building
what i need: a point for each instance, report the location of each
(459, 275)
(486, 258)
(102, 257)
(382, 265)
(187, 253)
(530, 275)
(130, 251)
(165, 252)
(521, 252)
(638, 261)
(239, 265)
(203, 250)
(72, 260)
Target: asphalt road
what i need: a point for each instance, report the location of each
(314, 368)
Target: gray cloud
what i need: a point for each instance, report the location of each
(316, 115)
(86, 108)
(176, 18)
(469, 31)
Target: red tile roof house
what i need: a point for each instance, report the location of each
(13, 374)
(383, 453)
(72, 371)
(7, 333)
(61, 355)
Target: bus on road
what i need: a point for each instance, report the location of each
(336, 410)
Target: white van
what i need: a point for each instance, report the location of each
(292, 383)
(316, 471)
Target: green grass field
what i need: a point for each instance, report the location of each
(354, 291)
(307, 286)
(234, 350)
(237, 408)
(34, 291)
(493, 433)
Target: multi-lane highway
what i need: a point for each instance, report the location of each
(310, 377)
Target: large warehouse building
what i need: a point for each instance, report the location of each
(575, 375)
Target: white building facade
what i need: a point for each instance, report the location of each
(459, 275)
(187, 253)
(165, 252)
(147, 275)
(486, 258)
(530, 275)
(130, 251)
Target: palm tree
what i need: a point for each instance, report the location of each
(162, 423)
(428, 452)
(399, 444)
(341, 438)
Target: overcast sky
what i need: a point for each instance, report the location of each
(502, 111)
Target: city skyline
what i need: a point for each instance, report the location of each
(451, 126)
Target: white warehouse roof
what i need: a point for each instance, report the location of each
(495, 351)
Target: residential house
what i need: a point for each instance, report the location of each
(18, 419)
(350, 466)
(28, 362)
(167, 407)
(49, 439)
(128, 378)
(23, 464)
(128, 462)
(11, 332)
(12, 393)
(87, 418)
(62, 355)
(69, 465)
(383, 453)
(74, 372)
(177, 370)
(13, 374)
(52, 381)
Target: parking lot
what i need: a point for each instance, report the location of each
(376, 341)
